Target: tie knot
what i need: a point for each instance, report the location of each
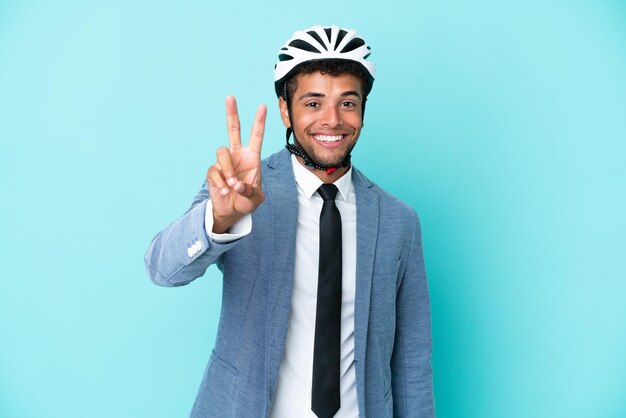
(328, 191)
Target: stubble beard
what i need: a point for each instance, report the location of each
(324, 162)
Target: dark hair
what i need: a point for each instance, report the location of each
(332, 66)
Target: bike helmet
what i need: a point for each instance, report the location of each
(319, 43)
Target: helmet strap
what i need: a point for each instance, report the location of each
(297, 150)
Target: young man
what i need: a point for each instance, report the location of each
(325, 308)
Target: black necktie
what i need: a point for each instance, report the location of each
(326, 352)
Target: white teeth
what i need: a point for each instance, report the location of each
(328, 138)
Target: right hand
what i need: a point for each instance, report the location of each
(234, 181)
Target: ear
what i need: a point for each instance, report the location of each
(363, 112)
(284, 112)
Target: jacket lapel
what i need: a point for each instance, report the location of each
(281, 193)
(367, 218)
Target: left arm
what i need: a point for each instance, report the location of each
(411, 369)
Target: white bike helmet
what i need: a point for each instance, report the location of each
(320, 43)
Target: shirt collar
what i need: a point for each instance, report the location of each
(309, 182)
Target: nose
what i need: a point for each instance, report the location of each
(331, 117)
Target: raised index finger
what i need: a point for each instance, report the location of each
(258, 129)
(232, 123)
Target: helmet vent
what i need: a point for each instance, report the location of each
(284, 57)
(317, 38)
(328, 33)
(353, 44)
(342, 34)
(300, 44)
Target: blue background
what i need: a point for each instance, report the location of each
(502, 123)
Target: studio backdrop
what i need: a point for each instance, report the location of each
(502, 123)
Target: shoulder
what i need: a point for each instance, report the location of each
(390, 206)
(279, 159)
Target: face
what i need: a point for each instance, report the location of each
(327, 118)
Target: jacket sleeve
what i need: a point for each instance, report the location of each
(412, 382)
(182, 251)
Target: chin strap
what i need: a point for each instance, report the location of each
(297, 150)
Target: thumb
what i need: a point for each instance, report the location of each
(254, 194)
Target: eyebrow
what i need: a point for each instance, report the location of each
(344, 94)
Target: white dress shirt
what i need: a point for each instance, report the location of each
(293, 391)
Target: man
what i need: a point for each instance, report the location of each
(325, 308)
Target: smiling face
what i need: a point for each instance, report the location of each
(327, 118)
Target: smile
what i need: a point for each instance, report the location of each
(328, 138)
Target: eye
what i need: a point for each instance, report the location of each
(312, 105)
(348, 103)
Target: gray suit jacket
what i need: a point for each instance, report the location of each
(392, 335)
